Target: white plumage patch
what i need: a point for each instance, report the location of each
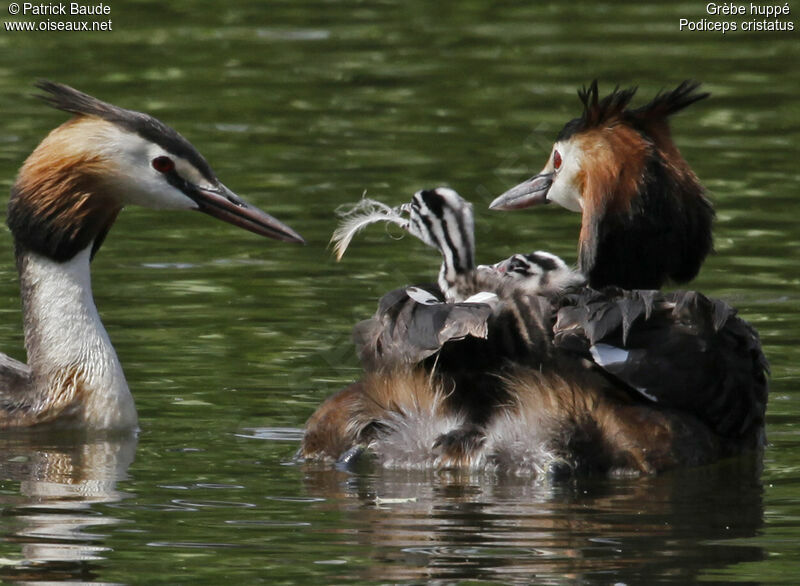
(610, 357)
(565, 190)
(129, 173)
(606, 355)
(421, 296)
(482, 297)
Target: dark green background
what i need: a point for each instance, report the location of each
(230, 341)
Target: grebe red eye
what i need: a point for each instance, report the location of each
(556, 160)
(163, 164)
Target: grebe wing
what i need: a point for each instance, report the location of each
(413, 323)
(681, 350)
(13, 374)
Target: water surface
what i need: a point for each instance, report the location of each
(229, 341)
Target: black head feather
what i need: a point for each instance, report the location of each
(612, 108)
(666, 104)
(596, 111)
(63, 97)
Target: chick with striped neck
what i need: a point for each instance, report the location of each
(444, 220)
(65, 199)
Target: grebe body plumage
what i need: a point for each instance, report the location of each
(536, 378)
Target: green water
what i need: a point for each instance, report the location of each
(229, 341)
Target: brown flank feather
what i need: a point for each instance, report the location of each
(65, 395)
(604, 431)
(592, 425)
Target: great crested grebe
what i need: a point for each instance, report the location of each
(66, 197)
(540, 379)
(645, 217)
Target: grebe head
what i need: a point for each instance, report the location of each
(600, 157)
(71, 188)
(620, 168)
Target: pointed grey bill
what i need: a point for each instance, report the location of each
(528, 193)
(225, 205)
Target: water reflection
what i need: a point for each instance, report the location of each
(53, 517)
(456, 526)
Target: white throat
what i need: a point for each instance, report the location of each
(70, 354)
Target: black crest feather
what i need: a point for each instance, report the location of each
(666, 104)
(62, 97)
(597, 111)
(613, 107)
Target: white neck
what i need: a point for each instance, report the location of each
(73, 363)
